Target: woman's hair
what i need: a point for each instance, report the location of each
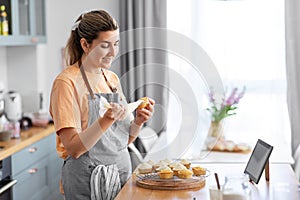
(88, 26)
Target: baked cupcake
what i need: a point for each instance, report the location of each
(160, 163)
(145, 168)
(177, 168)
(151, 162)
(186, 163)
(167, 161)
(165, 174)
(185, 173)
(173, 164)
(163, 168)
(145, 102)
(198, 171)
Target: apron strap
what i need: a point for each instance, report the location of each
(113, 90)
(86, 82)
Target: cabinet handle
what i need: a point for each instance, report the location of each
(32, 170)
(32, 149)
(34, 40)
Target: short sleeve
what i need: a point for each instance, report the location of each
(64, 107)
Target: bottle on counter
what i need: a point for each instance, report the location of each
(3, 21)
(15, 129)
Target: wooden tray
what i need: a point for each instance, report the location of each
(233, 151)
(155, 183)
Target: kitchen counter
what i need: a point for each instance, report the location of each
(27, 138)
(283, 184)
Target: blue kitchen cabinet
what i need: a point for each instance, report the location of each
(37, 170)
(27, 22)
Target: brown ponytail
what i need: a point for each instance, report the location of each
(89, 26)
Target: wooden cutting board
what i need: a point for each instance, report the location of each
(175, 183)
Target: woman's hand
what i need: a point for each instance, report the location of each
(144, 114)
(117, 112)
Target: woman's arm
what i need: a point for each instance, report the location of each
(142, 116)
(77, 144)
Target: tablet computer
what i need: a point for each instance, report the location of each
(258, 160)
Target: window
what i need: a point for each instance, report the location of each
(246, 41)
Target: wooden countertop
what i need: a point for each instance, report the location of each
(27, 138)
(283, 184)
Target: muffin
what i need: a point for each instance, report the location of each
(177, 168)
(198, 171)
(186, 163)
(185, 173)
(165, 174)
(167, 161)
(160, 163)
(145, 168)
(151, 162)
(173, 164)
(163, 168)
(145, 102)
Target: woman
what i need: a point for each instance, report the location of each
(86, 139)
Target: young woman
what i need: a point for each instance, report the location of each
(85, 138)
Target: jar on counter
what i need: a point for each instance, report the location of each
(14, 127)
(236, 188)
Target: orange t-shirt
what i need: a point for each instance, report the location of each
(69, 102)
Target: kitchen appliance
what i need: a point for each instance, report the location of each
(13, 106)
(6, 181)
(33, 101)
(1, 99)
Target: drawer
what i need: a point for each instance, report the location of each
(32, 182)
(30, 155)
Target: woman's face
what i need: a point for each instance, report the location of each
(103, 49)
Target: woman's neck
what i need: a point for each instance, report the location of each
(89, 66)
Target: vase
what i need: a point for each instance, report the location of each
(216, 130)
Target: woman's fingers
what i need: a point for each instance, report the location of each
(152, 102)
(118, 111)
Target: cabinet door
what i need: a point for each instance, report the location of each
(33, 182)
(39, 18)
(29, 155)
(24, 18)
(27, 20)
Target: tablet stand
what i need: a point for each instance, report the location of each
(259, 162)
(267, 170)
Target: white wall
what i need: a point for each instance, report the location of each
(3, 73)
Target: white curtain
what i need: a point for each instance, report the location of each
(292, 21)
(143, 68)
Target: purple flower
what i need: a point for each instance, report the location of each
(222, 107)
(231, 99)
(236, 101)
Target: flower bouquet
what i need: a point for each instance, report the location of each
(222, 106)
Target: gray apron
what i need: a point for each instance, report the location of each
(111, 149)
